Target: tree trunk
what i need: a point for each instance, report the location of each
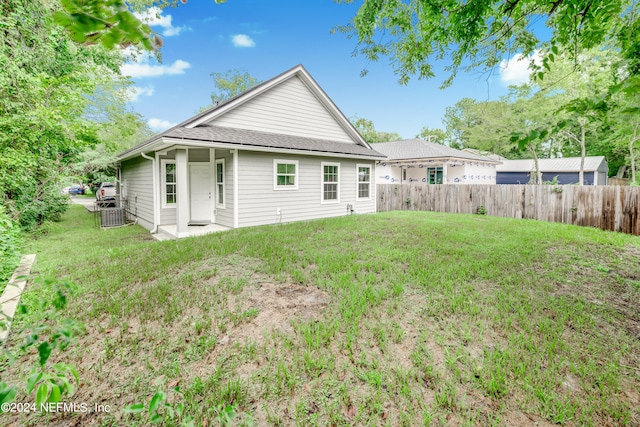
(538, 178)
(583, 124)
(632, 141)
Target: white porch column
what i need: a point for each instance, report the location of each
(182, 194)
(445, 172)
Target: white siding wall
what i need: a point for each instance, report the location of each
(415, 174)
(289, 108)
(225, 216)
(259, 202)
(385, 174)
(455, 174)
(138, 175)
(478, 173)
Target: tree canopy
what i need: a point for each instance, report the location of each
(480, 33)
(231, 83)
(368, 131)
(57, 99)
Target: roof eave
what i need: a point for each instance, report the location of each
(250, 147)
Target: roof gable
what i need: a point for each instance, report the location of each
(296, 82)
(289, 104)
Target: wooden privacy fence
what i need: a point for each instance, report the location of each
(613, 208)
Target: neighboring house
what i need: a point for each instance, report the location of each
(279, 152)
(420, 162)
(482, 153)
(567, 169)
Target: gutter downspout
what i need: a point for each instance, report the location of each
(154, 230)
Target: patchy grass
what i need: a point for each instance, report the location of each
(405, 318)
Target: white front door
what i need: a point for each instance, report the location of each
(200, 193)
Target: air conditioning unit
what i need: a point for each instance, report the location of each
(112, 217)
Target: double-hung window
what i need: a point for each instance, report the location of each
(220, 183)
(330, 182)
(285, 174)
(364, 181)
(169, 186)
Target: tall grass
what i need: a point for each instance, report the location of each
(432, 318)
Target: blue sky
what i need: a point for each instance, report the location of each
(267, 38)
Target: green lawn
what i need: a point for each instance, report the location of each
(404, 318)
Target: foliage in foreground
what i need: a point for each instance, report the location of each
(429, 319)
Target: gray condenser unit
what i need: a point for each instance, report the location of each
(111, 217)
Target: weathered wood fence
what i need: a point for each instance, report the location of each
(613, 208)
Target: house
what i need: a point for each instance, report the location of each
(567, 169)
(277, 153)
(420, 162)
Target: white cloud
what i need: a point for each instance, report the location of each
(242, 40)
(160, 125)
(515, 71)
(135, 92)
(154, 18)
(148, 70)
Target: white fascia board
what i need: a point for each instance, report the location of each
(204, 144)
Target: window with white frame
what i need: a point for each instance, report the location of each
(220, 183)
(364, 181)
(434, 175)
(285, 174)
(330, 182)
(169, 186)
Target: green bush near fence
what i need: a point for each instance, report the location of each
(9, 246)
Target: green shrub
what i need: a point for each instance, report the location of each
(48, 207)
(9, 246)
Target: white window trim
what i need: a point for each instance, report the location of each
(222, 205)
(163, 185)
(358, 166)
(322, 200)
(277, 187)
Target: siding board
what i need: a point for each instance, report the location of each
(138, 175)
(259, 202)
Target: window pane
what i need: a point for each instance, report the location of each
(282, 168)
(170, 175)
(330, 192)
(364, 174)
(220, 194)
(330, 174)
(219, 174)
(281, 180)
(363, 190)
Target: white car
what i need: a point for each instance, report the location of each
(106, 193)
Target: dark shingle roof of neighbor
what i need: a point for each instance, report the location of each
(251, 138)
(419, 149)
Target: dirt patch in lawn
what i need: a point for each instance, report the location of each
(270, 307)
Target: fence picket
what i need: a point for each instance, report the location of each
(614, 208)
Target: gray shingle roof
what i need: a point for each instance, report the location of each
(419, 149)
(563, 164)
(250, 138)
